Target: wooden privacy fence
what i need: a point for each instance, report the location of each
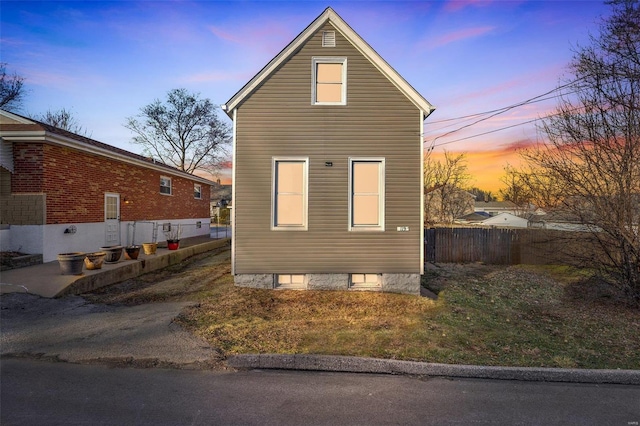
(503, 246)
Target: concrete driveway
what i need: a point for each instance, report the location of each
(73, 330)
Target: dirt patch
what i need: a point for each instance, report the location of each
(179, 283)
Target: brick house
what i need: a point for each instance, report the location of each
(327, 170)
(61, 192)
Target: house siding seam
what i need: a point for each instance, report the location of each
(278, 119)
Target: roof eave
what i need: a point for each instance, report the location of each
(329, 15)
(53, 138)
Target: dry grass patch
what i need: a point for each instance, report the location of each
(484, 315)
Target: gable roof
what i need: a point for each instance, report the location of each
(16, 128)
(330, 16)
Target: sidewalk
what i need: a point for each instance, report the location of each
(46, 280)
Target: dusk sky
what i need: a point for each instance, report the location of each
(103, 61)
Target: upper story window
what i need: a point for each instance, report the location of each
(290, 191)
(165, 185)
(197, 191)
(329, 81)
(366, 194)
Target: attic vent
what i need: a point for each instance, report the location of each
(328, 39)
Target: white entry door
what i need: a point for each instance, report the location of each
(112, 218)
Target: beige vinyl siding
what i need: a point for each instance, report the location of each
(279, 120)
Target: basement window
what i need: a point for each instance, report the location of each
(365, 281)
(289, 281)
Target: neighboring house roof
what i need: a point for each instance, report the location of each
(473, 217)
(330, 16)
(507, 220)
(495, 205)
(29, 130)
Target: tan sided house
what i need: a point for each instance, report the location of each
(62, 192)
(327, 170)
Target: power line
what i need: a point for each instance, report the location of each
(499, 111)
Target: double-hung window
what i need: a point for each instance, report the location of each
(289, 193)
(165, 185)
(329, 85)
(197, 191)
(366, 194)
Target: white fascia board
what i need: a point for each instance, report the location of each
(52, 138)
(19, 119)
(329, 15)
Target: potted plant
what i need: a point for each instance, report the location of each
(173, 236)
(113, 253)
(149, 248)
(71, 263)
(131, 252)
(94, 260)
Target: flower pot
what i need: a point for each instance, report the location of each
(94, 260)
(173, 245)
(113, 253)
(131, 252)
(71, 263)
(149, 248)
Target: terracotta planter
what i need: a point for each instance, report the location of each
(113, 253)
(149, 248)
(71, 263)
(173, 245)
(131, 252)
(94, 260)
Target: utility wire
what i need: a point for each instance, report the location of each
(499, 111)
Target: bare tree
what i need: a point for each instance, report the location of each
(445, 195)
(11, 89)
(592, 156)
(62, 119)
(183, 131)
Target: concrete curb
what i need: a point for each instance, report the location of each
(384, 366)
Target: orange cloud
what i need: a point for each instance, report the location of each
(487, 167)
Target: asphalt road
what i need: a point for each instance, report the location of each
(43, 393)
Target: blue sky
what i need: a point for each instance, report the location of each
(105, 60)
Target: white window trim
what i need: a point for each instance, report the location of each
(170, 185)
(365, 286)
(314, 62)
(290, 286)
(197, 185)
(305, 198)
(382, 200)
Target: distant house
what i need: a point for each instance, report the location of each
(473, 218)
(560, 221)
(220, 197)
(327, 171)
(496, 207)
(62, 192)
(506, 220)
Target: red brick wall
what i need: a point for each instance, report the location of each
(27, 165)
(75, 184)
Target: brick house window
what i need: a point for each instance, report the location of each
(165, 185)
(197, 191)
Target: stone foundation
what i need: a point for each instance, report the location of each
(391, 283)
